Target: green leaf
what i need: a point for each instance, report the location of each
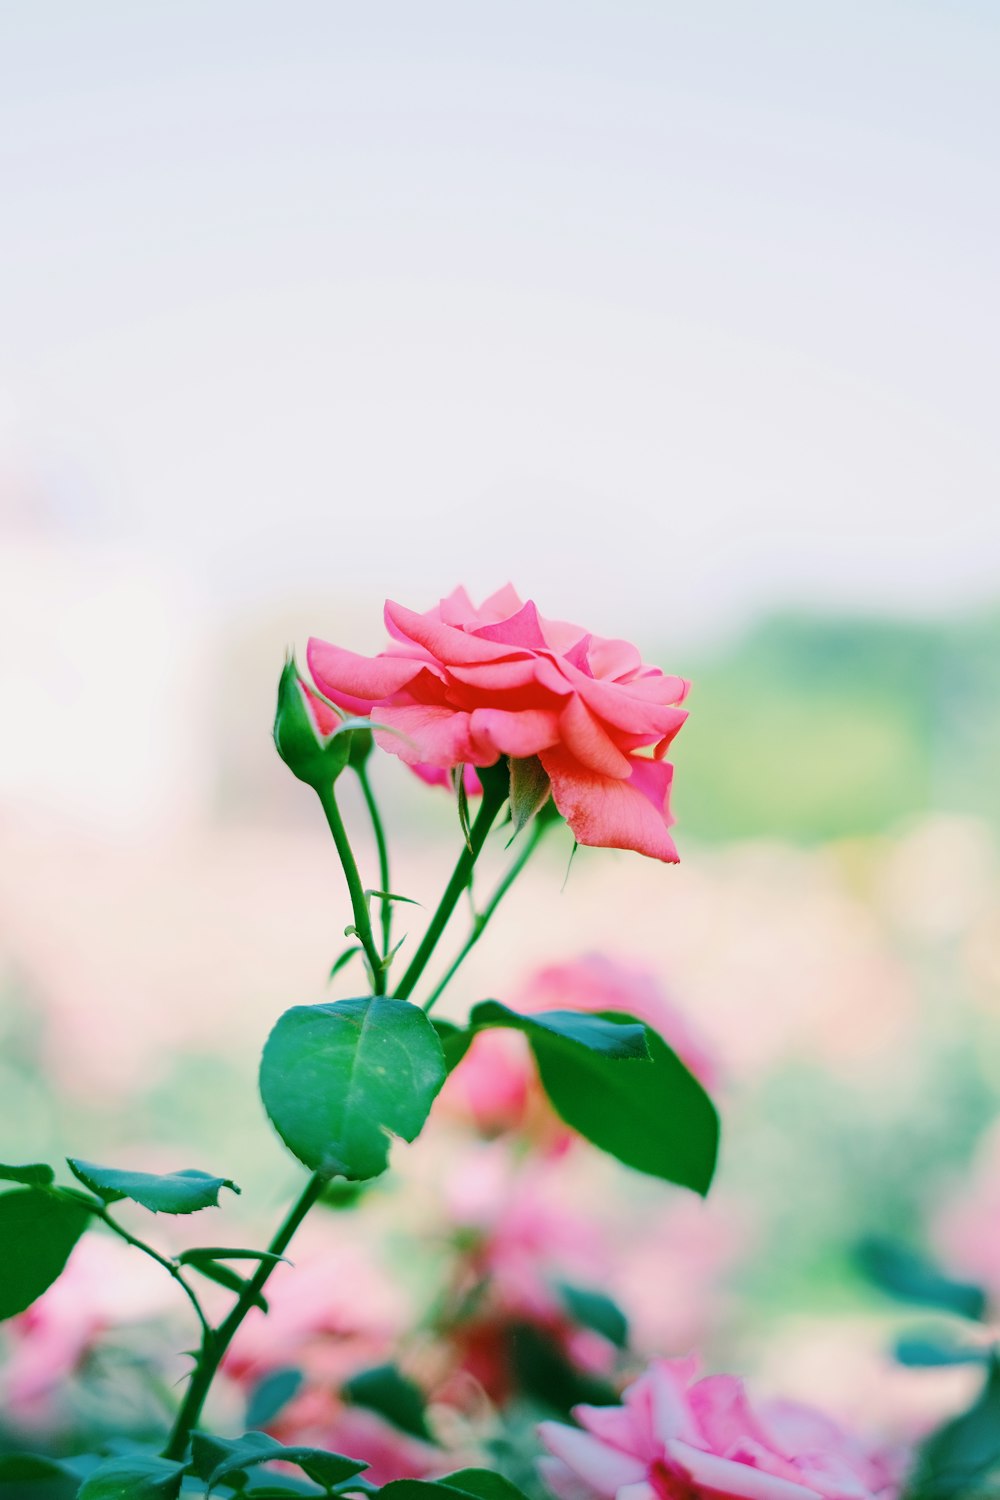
(234, 1456)
(596, 1311)
(484, 1484)
(38, 1230)
(910, 1277)
(653, 1116)
(543, 1371)
(214, 1270)
(481, 1483)
(529, 790)
(621, 1041)
(133, 1478)
(455, 1041)
(33, 1174)
(162, 1193)
(338, 1080)
(393, 1395)
(957, 1459)
(392, 896)
(417, 1489)
(344, 958)
(280, 1489)
(24, 1468)
(932, 1351)
(222, 1252)
(271, 1394)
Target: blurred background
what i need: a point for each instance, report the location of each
(684, 320)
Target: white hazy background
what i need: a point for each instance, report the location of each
(668, 312)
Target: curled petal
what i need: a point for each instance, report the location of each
(433, 736)
(725, 1480)
(339, 673)
(605, 1469)
(498, 731)
(587, 740)
(612, 813)
(445, 643)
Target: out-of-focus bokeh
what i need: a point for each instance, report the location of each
(683, 319)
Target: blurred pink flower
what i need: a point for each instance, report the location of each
(105, 1284)
(495, 1080)
(332, 1311)
(518, 1237)
(966, 1230)
(318, 1418)
(466, 685)
(677, 1438)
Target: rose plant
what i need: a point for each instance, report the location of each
(534, 724)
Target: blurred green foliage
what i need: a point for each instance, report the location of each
(812, 728)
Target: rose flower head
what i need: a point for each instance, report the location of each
(679, 1438)
(463, 686)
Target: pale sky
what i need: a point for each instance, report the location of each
(667, 312)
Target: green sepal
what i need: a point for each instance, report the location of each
(339, 1080)
(362, 745)
(314, 757)
(530, 789)
(386, 1390)
(182, 1192)
(38, 1229)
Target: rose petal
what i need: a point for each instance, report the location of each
(445, 643)
(721, 1479)
(586, 739)
(338, 672)
(724, 1414)
(522, 629)
(611, 813)
(519, 734)
(562, 1482)
(434, 735)
(605, 1469)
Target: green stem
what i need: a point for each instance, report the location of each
(170, 1266)
(217, 1341)
(359, 902)
(493, 799)
(383, 856)
(481, 919)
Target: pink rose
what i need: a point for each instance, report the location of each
(464, 686)
(677, 1438)
(105, 1286)
(326, 722)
